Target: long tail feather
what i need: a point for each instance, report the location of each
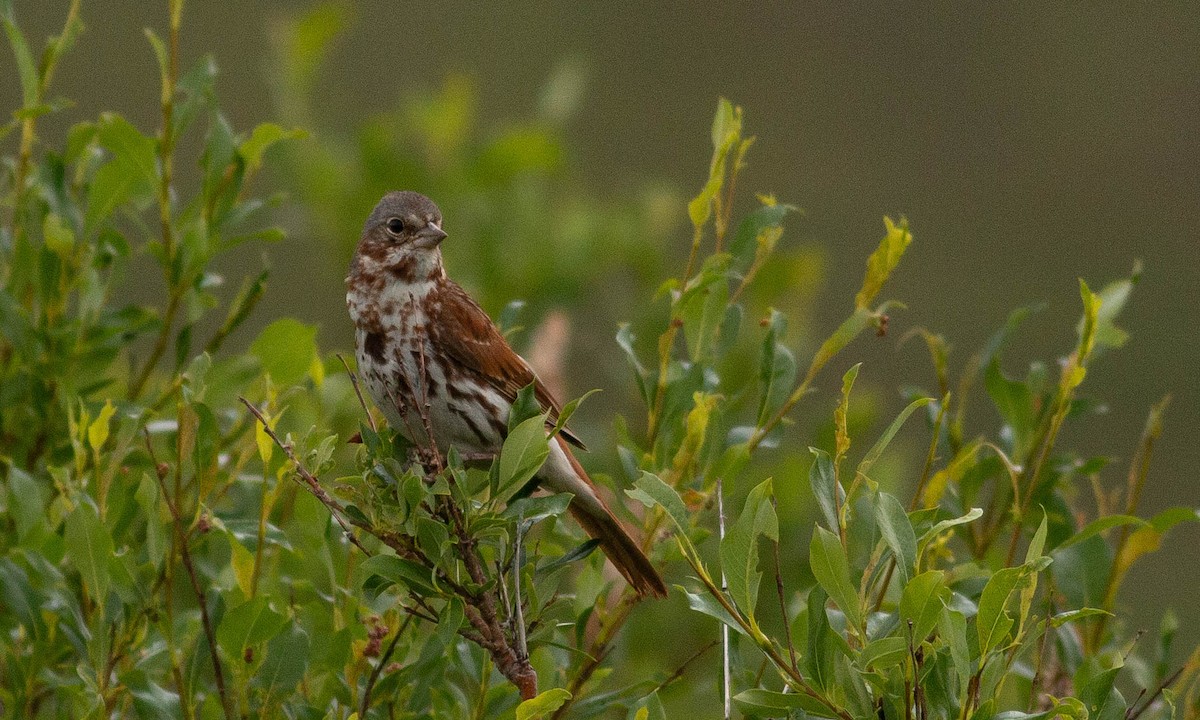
(598, 521)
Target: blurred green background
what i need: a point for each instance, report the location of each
(1027, 145)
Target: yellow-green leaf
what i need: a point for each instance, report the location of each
(98, 429)
(58, 236)
(883, 261)
(542, 705)
(243, 565)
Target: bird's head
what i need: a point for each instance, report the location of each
(402, 236)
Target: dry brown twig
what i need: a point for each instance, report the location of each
(479, 607)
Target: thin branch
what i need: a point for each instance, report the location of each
(1167, 682)
(358, 391)
(310, 483)
(726, 674)
(1139, 469)
(787, 626)
(166, 162)
(383, 661)
(679, 671)
(185, 556)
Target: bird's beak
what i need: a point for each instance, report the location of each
(430, 236)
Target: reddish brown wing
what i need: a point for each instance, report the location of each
(464, 331)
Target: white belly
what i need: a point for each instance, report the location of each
(466, 415)
(399, 369)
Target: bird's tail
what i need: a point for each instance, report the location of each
(598, 521)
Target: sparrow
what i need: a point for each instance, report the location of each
(420, 338)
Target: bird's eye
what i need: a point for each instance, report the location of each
(395, 226)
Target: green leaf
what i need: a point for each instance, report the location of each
(897, 532)
(766, 703)
(26, 69)
(739, 549)
(777, 369)
(27, 500)
(89, 546)
(1033, 558)
(218, 154)
(1113, 298)
(19, 598)
(1087, 326)
(522, 455)
(944, 525)
(1072, 615)
(1070, 708)
(883, 653)
(993, 622)
(1082, 572)
(832, 571)
(840, 422)
(1149, 539)
(59, 236)
(1094, 687)
(818, 661)
(726, 125)
(286, 661)
(922, 601)
(110, 186)
(708, 606)
(650, 490)
(133, 152)
(433, 536)
(248, 624)
(825, 488)
(883, 261)
(850, 328)
(405, 573)
(727, 128)
(880, 445)
(569, 409)
(1014, 402)
(755, 224)
(538, 508)
(579, 552)
(242, 562)
(261, 138)
(208, 440)
(543, 705)
(702, 319)
(151, 701)
(1100, 525)
(952, 628)
(287, 349)
(625, 339)
(525, 405)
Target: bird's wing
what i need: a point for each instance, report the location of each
(465, 332)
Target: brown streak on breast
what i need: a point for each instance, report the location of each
(403, 269)
(375, 345)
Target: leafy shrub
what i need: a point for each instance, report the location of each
(168, 551)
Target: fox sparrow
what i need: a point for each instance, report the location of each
(419, 338)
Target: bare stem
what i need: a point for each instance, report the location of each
(379, 666)
(1139, 469)
(358, 392)
(726, 674)
(309, 481)
(185, 557)
(783, 613)
(1132, 714)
